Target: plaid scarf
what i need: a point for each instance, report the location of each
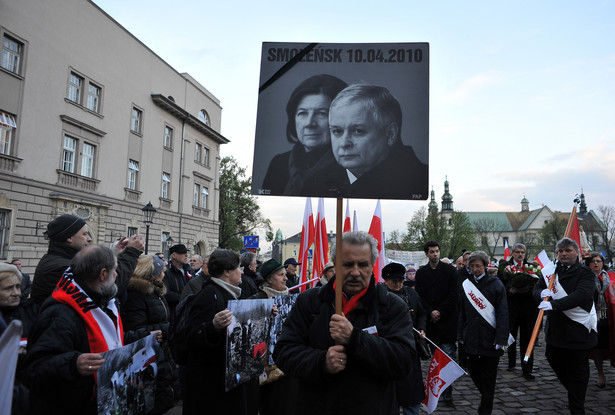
(602, 284)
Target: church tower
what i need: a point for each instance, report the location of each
(433, 205)
(525, 205)
(447, 198)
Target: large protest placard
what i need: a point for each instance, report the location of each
(246, 342)
(127, 379)
(284, 304)
(343, 120)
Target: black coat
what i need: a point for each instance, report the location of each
(439, 290)
(49, 270)
(57, 338)
(561, 331)
(367, 385)
(479, 337)
(175, 282)
(206, 362)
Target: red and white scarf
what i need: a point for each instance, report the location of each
(103, 333)
(482, 305)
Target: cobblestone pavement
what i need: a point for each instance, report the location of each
(545, 395)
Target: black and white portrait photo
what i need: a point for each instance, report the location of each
(343, 120)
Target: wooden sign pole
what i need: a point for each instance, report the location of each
(338, 253)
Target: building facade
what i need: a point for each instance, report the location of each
(94, 123)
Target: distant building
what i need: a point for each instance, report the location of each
(94, 123)
(289, 248)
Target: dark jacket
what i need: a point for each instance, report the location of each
(204, 386)
(561, 331)
(126, 264)
(439, 290)
(293, 280)
(479, 337)
(146, 310)
(381, 182)
(248, 286)
(49, 270)
(375, 362)
(194, 285)
(26, 285)
(57, 338)
(410, 391)
(175, 282)
(26, 312)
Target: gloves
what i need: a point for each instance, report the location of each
(498, 346)
(546, 306)
(546, 293)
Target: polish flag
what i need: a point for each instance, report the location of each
(375, 229)
(321, 249)
(543, 258)
(506, 250)
(347, 218)
(572, 230)
(307, 239)
(442, 373)
(355, 223)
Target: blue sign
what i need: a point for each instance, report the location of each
(310, 255)
(250, 241)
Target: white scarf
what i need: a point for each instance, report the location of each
(482, 305)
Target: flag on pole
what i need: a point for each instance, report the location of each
(355, 223)
(442, 373)
(347, 218)
(321, 248)
(506, 250)
(375, 229)
(307, 239)
(542, 258)
(572, 230)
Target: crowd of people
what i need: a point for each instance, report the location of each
(87, 299)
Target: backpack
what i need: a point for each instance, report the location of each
(178, 332)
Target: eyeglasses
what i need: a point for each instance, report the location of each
(596, 261)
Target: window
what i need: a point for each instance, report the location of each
(87, 160)
(200, 196)
(204, 117)
(206, 156)
(197, 193)
(12, 51)
(201, 154)
(166, 182)
(93, 102)
(131, 231)
(68, 156)
(75, 83)
(198, 151)
(133, 174)
(5, 227)
(136, 120)
(7, 132)
(168, 136)
(166, 242)
(204, 194)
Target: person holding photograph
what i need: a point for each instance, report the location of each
(308, 129)
(369, 158)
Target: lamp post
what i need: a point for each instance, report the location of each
(148, 218)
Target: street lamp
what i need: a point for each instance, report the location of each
(148, 218)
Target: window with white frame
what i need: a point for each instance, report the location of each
(12, 51)
(199, 198)
(136, 119)
(87, 160)
(93, 102)
(5, 228)
(75, 86)
(204, 117)
(205, 156)
(166, 184)
(68, 154)
(168, 136)
(72, 147)
(8, 126)
(204, 194)
(198, 151)
(133, 174)
(165, 239)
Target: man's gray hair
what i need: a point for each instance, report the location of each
(245, 260)
(565, 243)
(519, 245)
(88, 262)
(479, 255)
(358, 238)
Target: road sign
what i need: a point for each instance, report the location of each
(250, 241)
(310, 255)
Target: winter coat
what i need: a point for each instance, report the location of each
(560, 331)
(194, 285)
(439, 290)
(57, 339)
(146, 310)
(126, 264)
(49, 270)
(175, 282)
(204, 386)
(479, 337)
(375, 362)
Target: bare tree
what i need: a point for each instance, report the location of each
(607, 215)
(489, 233)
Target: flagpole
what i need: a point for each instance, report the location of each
(436, 346)
(338, 253)
(541, 313)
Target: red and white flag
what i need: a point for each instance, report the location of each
(506, 250)
(307, 239)
(321, 248)
(347, 218)
(572, 230)
(443, 371)
(542, 258)
(375, 229)
(355, 223)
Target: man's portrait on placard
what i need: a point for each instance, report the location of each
(344, 120)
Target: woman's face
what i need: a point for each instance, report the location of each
(596, 264)
(312, 121)
(10, 291)
(278, 280)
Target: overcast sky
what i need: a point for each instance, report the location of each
(522, 93)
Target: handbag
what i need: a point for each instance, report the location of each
(422, 348)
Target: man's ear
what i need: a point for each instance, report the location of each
(102, 275)
(391, 133)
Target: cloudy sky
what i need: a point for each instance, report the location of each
(522, 93)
